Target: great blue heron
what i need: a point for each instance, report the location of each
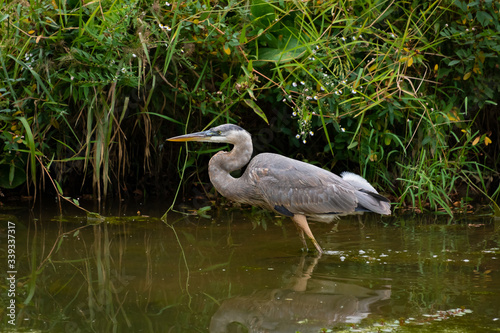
(284, 185)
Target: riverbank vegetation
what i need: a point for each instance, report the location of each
(404, 93)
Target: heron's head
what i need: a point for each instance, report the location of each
(227, 133)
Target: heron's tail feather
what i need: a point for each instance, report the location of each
(357, 181)
(373, 202)
(368, 198)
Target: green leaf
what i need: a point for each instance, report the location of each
(284, 45)
(250, 66)
(59, 243)
(462, 5)
(243, 35)
(453, 62)
(165, 117)
(280, 55)
(352, 145)
(59, 189)
(256, 109)
(6, 172)
(12, 173)
(204, 209)
(484, 18)
(262, 12)
(30, 143)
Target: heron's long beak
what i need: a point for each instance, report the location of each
(198, 136)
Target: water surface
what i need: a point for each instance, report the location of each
(244, 272)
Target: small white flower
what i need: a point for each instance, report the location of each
(343, 82)
(321, 88)
(311, 133)
(308, 97)
(446, 25)
(360, 36)
(294, 84)
(393, 36)
(124, 70)
(161, 26)
(315, 98)
(168, 4)
(353, 91)
(325, 75)
(353, 38)
(467, 30)
(302, 82)
(294, 114)
(284, 99)
(343, 39)
(168, 28)
(317, 47)
(340, 92)
(297, 136)
(133, 55)
(342, 129)
(304, 141)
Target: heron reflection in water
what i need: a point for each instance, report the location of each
(286, 186)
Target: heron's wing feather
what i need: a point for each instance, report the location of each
(300, 187)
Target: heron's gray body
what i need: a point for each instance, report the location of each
(289, 187)
(284, 185)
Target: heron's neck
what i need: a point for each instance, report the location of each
(222, 163)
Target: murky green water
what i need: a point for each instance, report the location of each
(229, 274)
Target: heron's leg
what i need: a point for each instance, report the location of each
(301, 223)
(360, 221)
(301, 235)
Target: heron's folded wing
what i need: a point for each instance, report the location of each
(300, 187)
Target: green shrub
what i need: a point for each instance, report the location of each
(395, 90)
